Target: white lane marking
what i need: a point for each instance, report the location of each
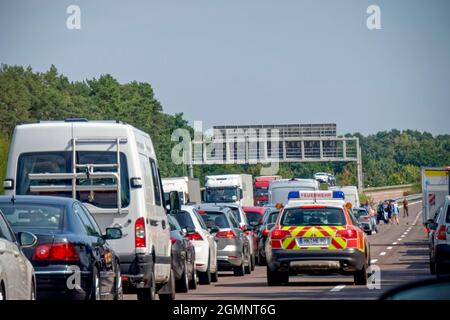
(402, 236)
(394, 243)
(399, 239)
(373, 261)
(338, 288)
(405, 233)
(382, 253)
(417, 218)
(389, 248)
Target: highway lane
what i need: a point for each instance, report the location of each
(400, 251)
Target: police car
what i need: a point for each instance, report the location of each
(315, 233)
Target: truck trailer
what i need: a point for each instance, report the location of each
(435, 187)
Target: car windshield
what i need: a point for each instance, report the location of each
(313, 217)
(227, 194)
(273, 217)
(36, 216)
(254, 218)
(261, 192)
(215, 219)
(61, 162)
(184, 220)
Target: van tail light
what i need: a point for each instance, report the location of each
(348, 233)
(56, 252)
(194, 236)
(139, 233)
(226, 234)
(265, 233)
(441, 233)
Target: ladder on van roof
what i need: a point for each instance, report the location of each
(88, 173)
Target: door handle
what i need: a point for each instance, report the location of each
(163, 223)
(153, 222)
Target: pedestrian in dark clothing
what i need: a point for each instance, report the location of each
(405, 208)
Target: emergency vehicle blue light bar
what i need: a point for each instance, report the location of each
(293, 195)
(338, 195)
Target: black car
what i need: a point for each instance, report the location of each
(71, 257)
(269, 219)
(183, 257)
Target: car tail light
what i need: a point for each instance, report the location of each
(56, 252)
(366, 218)
(226, 234)
(441, 233)
(194, 236)
(279, 234)
(173, 240)
(348, 233)
(139, 233)
(265, 232)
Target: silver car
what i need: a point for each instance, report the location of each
(17, 279)
(233, 250)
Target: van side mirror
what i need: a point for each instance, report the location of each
(112, 234)
(174, 201)
(241, 194)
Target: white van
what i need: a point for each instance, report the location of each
(350, 194)
(112, 168)
(279, 189)
(230, 188)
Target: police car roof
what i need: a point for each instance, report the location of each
(335, 203)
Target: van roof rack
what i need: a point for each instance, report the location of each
(88, 173)
(76, 120)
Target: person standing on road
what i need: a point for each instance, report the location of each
(405, 208)
(395, 213)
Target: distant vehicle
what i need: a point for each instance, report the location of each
(261, 189)
(316, 233)
(269, 220)
(67, 237)
(183, 257)
(233, 251)
(279, 189)
(322, 177)
(112, 168)
(203, 241)
(188, 189)
(351, 195)
(241, 218)
(17, 278)
(435, 187)
(440, 250)
(230, 188)
(254, 215)
(331, 180)
(367, 222)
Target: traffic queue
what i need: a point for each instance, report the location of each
(86, 215)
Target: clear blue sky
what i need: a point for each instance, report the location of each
(253, 61)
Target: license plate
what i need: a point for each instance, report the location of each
(313, 241)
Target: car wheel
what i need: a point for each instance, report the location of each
(261, 259)
(33, 291)
(205, 277)
(214, 276)
(432, 266)
(239, 271)
(148, 294)
(253, 260)
(248, 265)
(194, 280)
(276, 278)
(360, 276)
(2, 292)
(169, 296)
(182, 285)
(95, 294)
(118, 293)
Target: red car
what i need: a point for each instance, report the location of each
(255, 218)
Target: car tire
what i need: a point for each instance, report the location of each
(33, 291)
(440, 268)
(261, 260)
(148, 294)
(182, 284)
(2, 292)
(248, 267)
(432, 266)
(253, 260)
(205, 277)
(276, 278)
(194, 280)
(95, 293)
(360, 277)
(118, 293)
(169, 296)
(215, 276)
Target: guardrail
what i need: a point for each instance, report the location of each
(402, 186)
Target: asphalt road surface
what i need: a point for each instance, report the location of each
(400, 251)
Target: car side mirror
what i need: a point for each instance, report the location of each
(112, 234)
(174, 201)
(184, 232)
(432, 226)
(26, 239)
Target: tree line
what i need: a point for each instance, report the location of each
(389, 157)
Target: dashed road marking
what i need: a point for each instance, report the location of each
(338, 288)
(394, 243)
(382, 253)
(389, 248)
(373, 261)
(399, 239)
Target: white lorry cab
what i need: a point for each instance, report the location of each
(188, 189)
(279, 189)
(112, 168)
(234, 188)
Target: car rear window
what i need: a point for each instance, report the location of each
(215, 219)
(447, 219)
(184, 220)
(36, 216)
(253, 217)
(273, 216)
(236, 213)
(313, 217)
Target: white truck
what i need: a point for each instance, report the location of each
(350, 194)
(279, 189)
(233, 188)
(435, 187)
(187, 188)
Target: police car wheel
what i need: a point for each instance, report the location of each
(276, 278)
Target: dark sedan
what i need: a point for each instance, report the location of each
(71, 258)
(269, 219)
(183, 258)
